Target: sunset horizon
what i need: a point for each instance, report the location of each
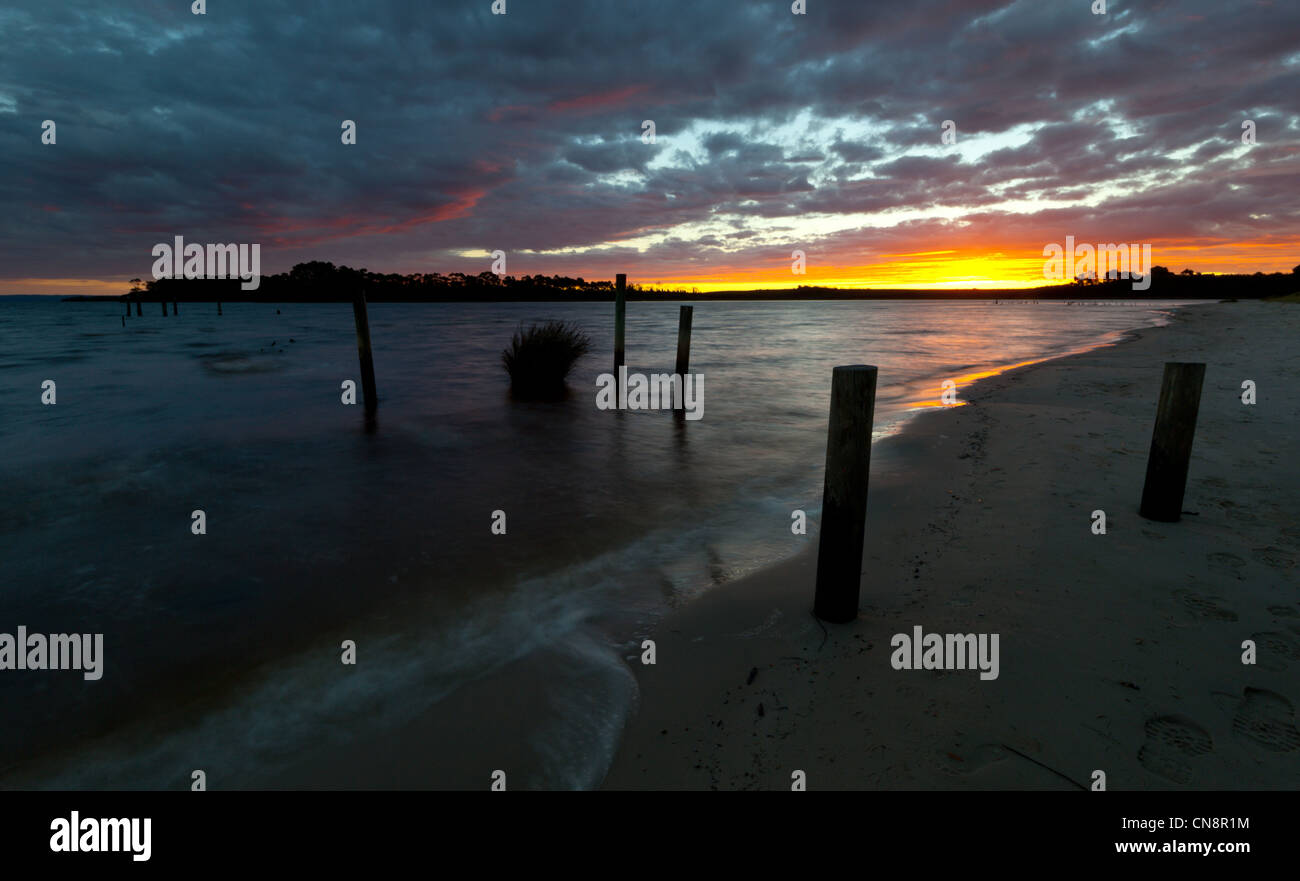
(914, 151)
(648, 395)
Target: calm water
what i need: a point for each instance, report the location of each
(222, 650)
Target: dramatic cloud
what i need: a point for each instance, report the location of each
(773, 132)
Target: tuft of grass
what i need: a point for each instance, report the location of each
(540, 358)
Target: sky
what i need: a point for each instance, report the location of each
(773, 133)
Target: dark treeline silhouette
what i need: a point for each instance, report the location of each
(319, 281)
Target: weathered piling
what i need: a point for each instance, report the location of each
(174, 309)
(683, 360)
(218, 307)
(363, 352)
(1171, 442)
(844, 494)
(620, 313)
(163, 303)
(684, 317)
(139, 308)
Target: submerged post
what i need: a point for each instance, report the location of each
(683, 359)
(218, 307)
(363, 351)
(163, 303)
(174, 312)
(684, 340)
(1171, 442)
(139, 308)
(620, 313)
(844, 495)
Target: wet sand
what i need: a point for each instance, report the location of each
(1119, 653)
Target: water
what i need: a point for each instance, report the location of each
(222, 650)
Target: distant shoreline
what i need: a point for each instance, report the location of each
(821, 295)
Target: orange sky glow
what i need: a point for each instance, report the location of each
(916, 270)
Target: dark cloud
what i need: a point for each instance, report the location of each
(523, 132)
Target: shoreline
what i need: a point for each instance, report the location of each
(507, 718)
(749, 687)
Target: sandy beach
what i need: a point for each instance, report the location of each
(1119, 652)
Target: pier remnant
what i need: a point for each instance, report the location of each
(620, 314)
(684, 318)
(1171, 441)
(844, 494)
(363, 352)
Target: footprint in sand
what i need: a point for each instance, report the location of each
(1274, 557)
(1225, 564)
(975, 760)
(1264, 719)
(1275, 650)
(1236, 513)
(1205, 607)
(1171, 745)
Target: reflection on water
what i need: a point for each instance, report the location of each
(320, 531)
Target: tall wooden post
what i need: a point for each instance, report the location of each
(174, 310)
(1171, 442)
(684, 317)
(620, 314)
(139, 308)
(363, 352)
(218, 307)
(163, 303)
(844, 495)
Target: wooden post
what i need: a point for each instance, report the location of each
(1171, 442)
(163, 303)
(620, 313)
(363, 351)
(139, 308)
(218, 307)
(174, 309)
(844, 495)
(684, 316)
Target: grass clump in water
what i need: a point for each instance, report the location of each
(540, 358)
